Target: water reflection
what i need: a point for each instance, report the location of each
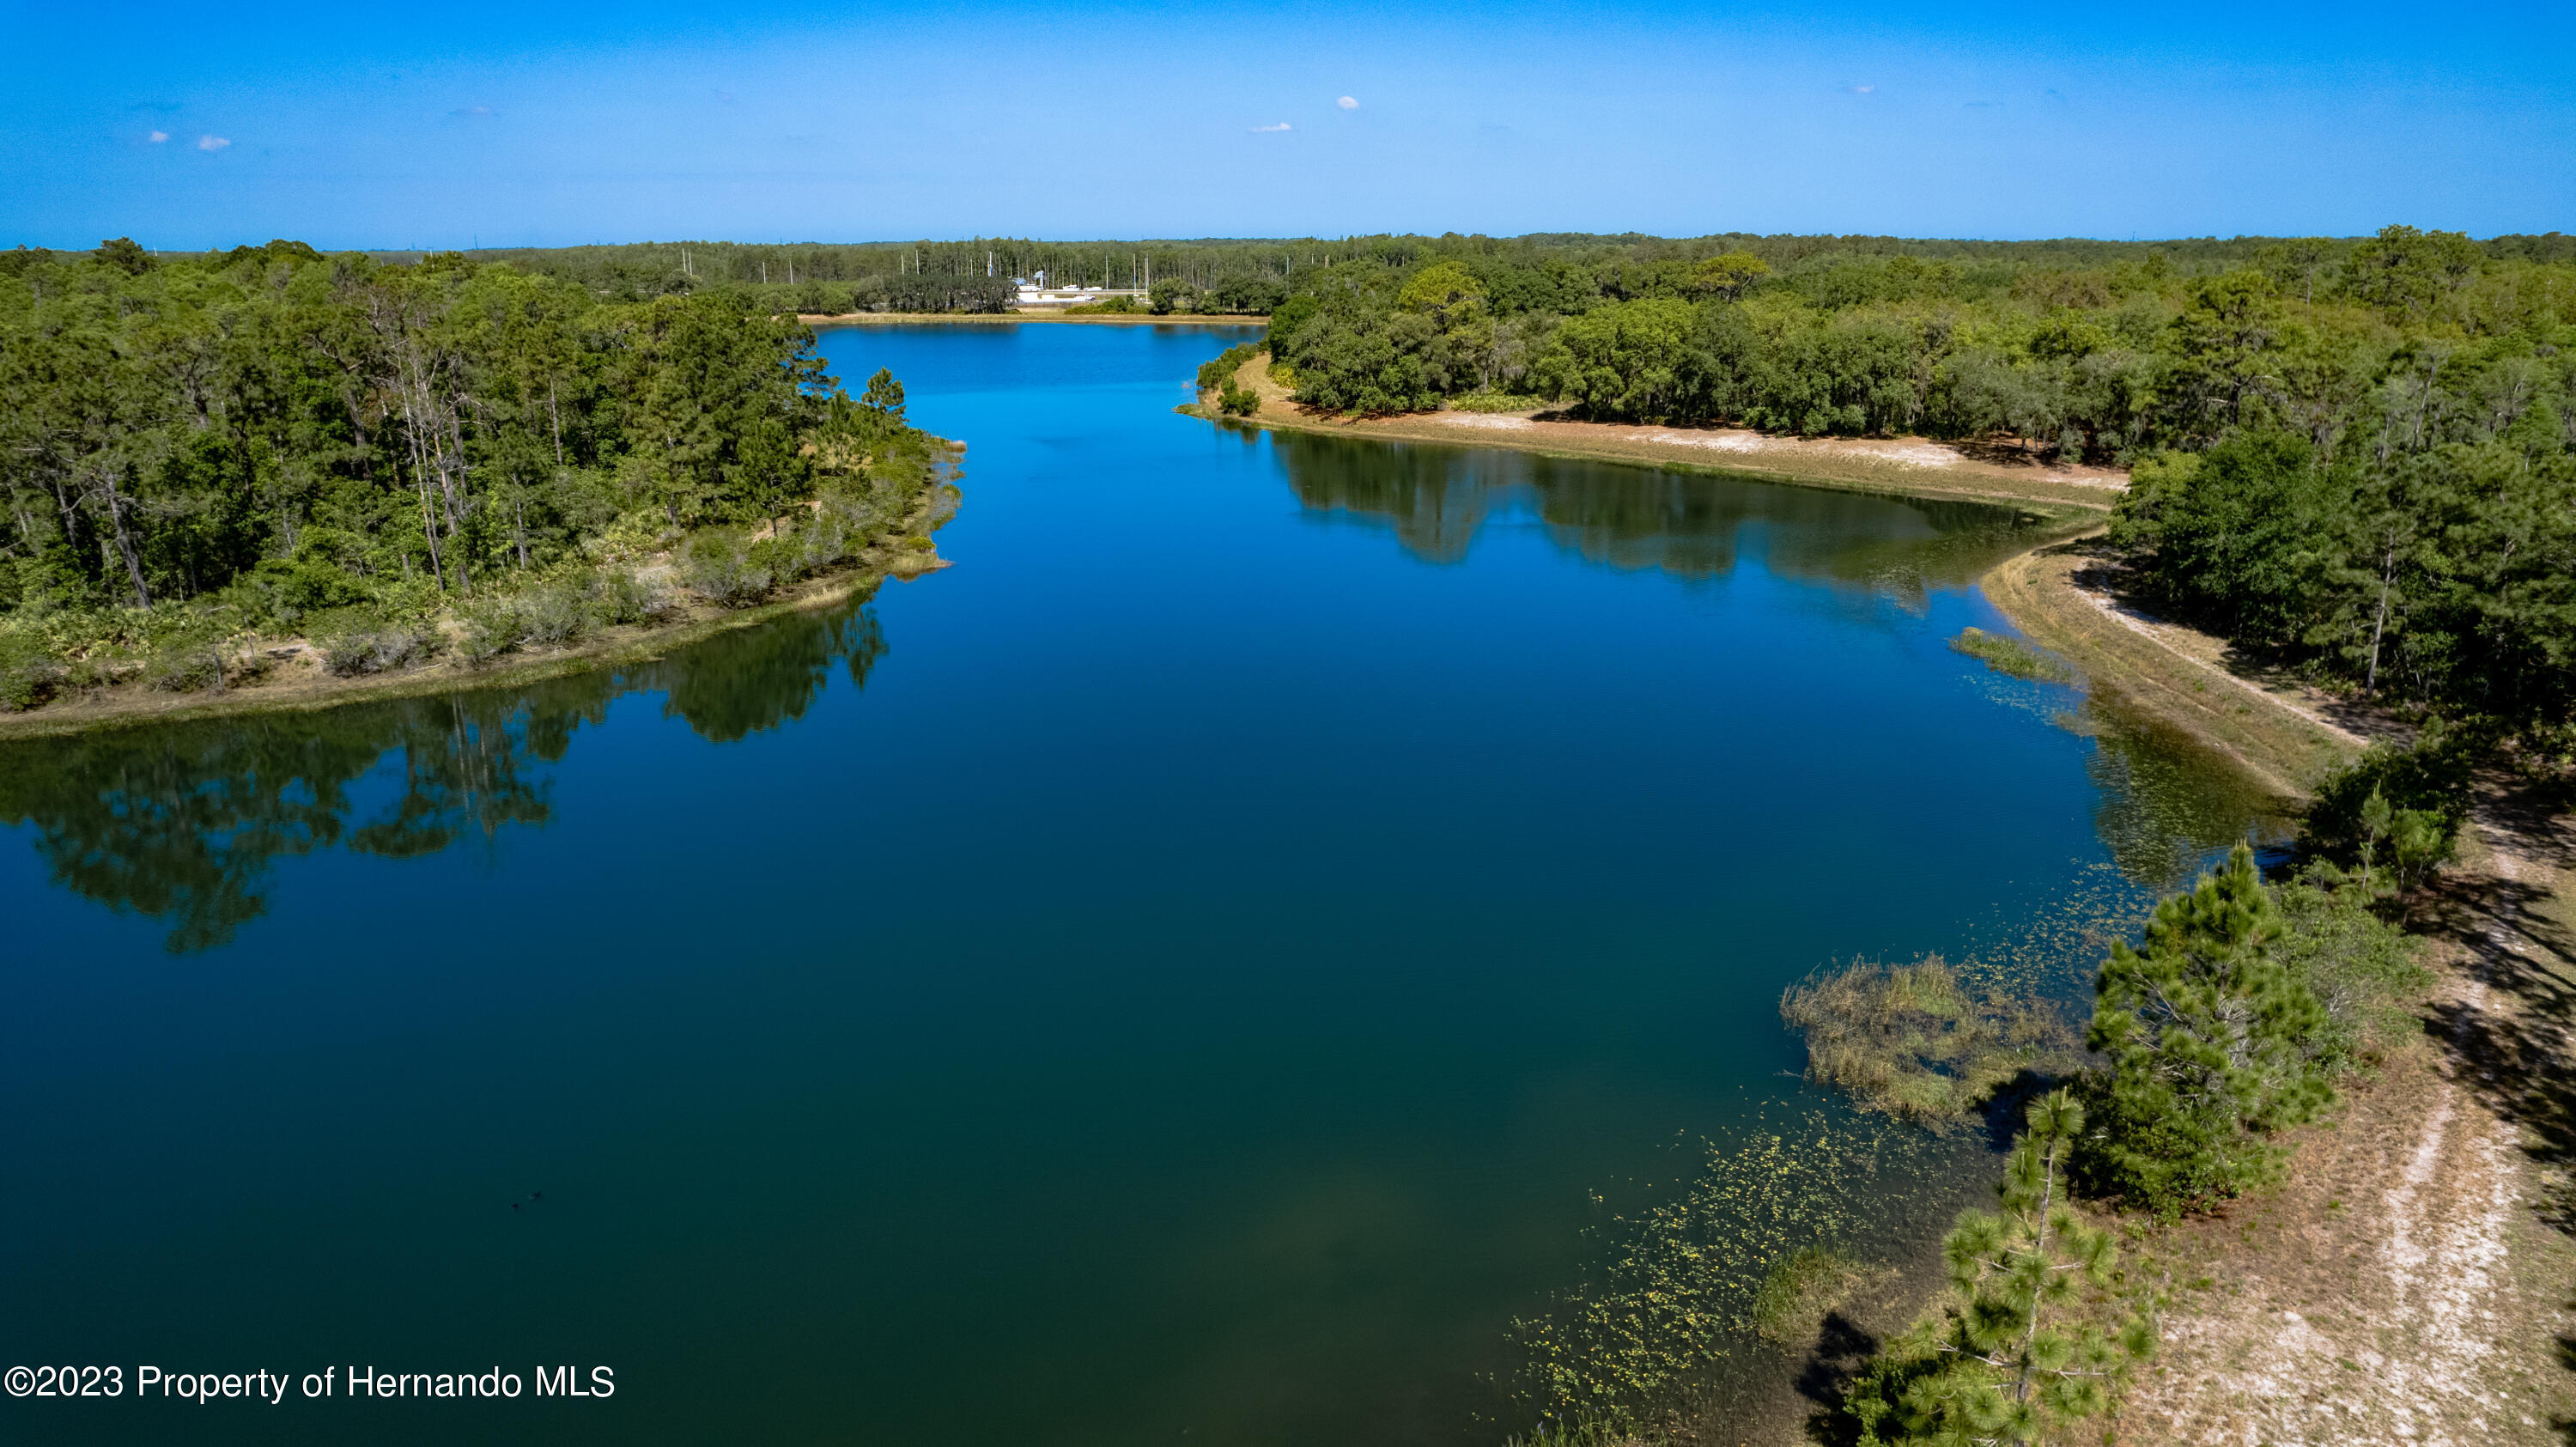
(1437, 499)
(182, 823)
(2168, 804)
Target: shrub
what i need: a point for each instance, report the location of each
(2363, 970)
(719, 566)
(551, 616)
(2393, 816)
(1912, 1042)
(29, 672)
(918, 543)
(1237, 401)
(492, 626)
(196, 661)
(1467, 402)
(362, 646)
(618, 596)
(1219, 372)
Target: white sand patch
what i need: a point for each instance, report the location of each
(1903, 454)
(1482, 419)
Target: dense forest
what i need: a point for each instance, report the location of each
(2351, 455)
(396, 459)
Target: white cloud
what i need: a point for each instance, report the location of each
(1265, 130)
(159, 136)
(1860, 89)
(1347, 103)
(474, 111)
(211, 143)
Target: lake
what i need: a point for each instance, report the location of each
(1189, 972)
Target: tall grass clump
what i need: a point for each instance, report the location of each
(2011, 655)
(1913, 1042)
(1800, 1292)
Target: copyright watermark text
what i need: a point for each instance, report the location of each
(151, 1381)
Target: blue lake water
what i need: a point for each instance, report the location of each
(1177, 975)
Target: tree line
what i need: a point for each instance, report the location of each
(194, 449)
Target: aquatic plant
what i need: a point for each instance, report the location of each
(1682, 1283)
(2011, 655)
(1913, 1042)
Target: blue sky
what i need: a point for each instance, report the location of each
(527, 124)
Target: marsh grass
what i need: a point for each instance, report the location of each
(2011, 655)
(1803, 1290)
(1914, 1042)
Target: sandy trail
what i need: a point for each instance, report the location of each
(2373, 1300)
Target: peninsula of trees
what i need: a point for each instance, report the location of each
(203, 455)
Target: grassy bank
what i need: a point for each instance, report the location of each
(2279, 733)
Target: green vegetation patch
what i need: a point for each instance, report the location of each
(1497, 402)
(1914, 1042)
(1218, 372)
(1682, 1283)
(2011, 655)
(1813, 1283)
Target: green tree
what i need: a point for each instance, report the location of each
(1627, 359)
(1726, 277)
(884, 395)
(2409, 271)
(2007, 1366)
(2206, 1037)
(126, 256)
(1446, 292)
(2232, 534)
(1171, 294)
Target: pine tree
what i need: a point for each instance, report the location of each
(2206, 1035)
(2007, 1365)
(884, 395)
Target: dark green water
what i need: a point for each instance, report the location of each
(1175, 976)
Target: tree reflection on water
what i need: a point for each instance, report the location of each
(1437, 499)
(183, 822)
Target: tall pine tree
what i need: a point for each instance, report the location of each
(2207, 1038)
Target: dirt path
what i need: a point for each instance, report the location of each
(2406, 1284)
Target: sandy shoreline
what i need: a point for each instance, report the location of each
(1912, 466)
